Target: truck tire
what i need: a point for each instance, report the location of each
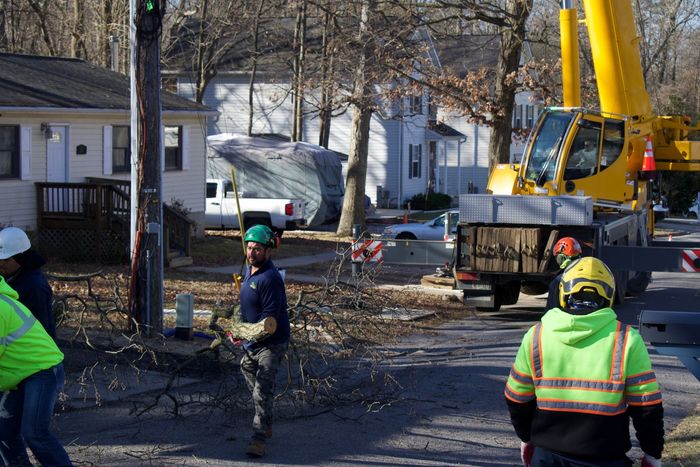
(254, 219)
(505, 294)
(534, 288)
(621, 279)
(508, 292)
(638, 283)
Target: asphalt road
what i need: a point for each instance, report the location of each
(449, 409)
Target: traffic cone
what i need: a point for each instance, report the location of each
(648, 163)
(670, 237)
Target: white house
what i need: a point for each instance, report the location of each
(65, 120)
(412, 147)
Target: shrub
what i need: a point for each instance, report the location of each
(432, 202)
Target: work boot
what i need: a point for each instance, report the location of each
(256, 448)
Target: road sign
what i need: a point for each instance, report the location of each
(690, 261)
(367, 251)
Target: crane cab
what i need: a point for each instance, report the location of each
(578, 153)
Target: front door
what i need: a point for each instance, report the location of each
(57, 168)
(56, 164)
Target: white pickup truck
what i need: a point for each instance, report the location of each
(278, 213)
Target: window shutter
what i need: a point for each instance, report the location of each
(185, 147)
(107, 150)
(420, 160)
(25, 149)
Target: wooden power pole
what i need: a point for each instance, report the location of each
(146, 287)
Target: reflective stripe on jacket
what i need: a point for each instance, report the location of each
(588, 364)
(25, 347)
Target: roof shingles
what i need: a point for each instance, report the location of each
(57, 82)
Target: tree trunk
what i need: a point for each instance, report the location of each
(254, 68)
(512, 36)
(353, 202)
(3, 29)
(326, 69)
(201, 81)
(299, 55)
(104, 52)
(77, 40)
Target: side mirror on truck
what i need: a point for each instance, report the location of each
(674, 333)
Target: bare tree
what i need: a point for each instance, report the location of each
(353, 202)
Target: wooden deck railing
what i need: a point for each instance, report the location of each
(102, 205)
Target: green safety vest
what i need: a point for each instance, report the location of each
(25, 347)
(589, 364)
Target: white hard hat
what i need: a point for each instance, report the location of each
(13, 240)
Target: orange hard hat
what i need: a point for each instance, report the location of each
(569, 247)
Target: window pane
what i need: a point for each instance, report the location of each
(211, 190)
(173, 149)
(121, 149)
(9, 151)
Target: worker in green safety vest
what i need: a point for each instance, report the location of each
(579, 376)
(31, 377)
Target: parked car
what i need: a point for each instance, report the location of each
(692, 212)
(430, 230)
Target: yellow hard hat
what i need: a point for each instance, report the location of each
(586, 285)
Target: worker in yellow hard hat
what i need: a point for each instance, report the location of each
(579, 376)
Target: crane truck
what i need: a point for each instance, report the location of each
(581, 175)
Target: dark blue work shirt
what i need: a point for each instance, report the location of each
(553, 295)
(35, 293)
(262, 295)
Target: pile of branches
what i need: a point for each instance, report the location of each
(339, 332)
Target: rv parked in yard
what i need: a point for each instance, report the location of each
(278, 213)
(278, 168)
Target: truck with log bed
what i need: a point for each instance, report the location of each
(585, 173)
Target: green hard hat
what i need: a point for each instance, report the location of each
(261, 234)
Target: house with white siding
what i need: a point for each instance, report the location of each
(413, 147)
(65, 120)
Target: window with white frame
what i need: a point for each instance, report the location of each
(417, 104)
(524, 116)
(518, 116)
(121, 149)
(9, 151)
(529, 116)
(415, 160)
(173, 148)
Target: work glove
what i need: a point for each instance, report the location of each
(649, 461)
(526, 452)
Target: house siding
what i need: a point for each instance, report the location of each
(87, 129)
(387, 164)
(273, 114)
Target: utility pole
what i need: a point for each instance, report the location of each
(146, 286)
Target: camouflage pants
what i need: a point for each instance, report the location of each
(259, 368)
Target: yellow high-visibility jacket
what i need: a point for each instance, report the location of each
(576, 380)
